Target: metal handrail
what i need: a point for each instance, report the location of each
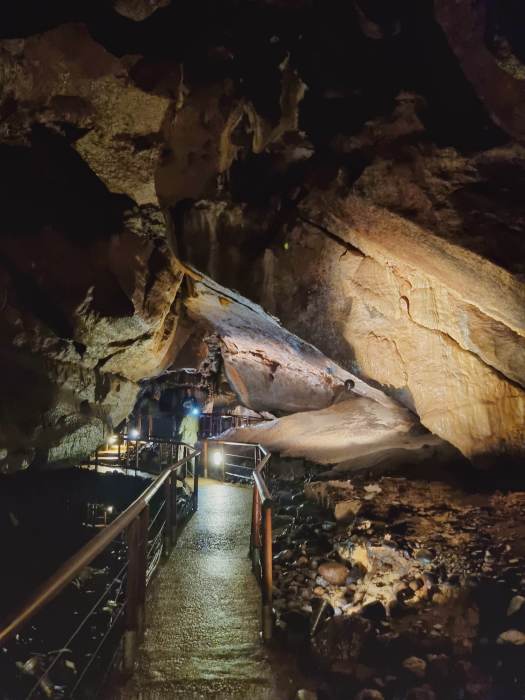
(238, 444)
(86, 554)
(262, 489)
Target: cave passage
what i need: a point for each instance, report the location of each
(297, 225)
(204, 616)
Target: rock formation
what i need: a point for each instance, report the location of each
(269, 368)
(357, 169)
(354, 434)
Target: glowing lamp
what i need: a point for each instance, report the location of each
(109, 509)
(216, 458)
(112, 439)
(195, 411)
(134, 433)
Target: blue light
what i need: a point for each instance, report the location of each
(195, 411)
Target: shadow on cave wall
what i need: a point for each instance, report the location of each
(351, 77)
(47, 183)
(50, 199)
(493, 214)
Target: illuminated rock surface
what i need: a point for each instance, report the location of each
(376, 210)
(356, 433)
(268, 367)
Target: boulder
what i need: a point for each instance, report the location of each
(416, 666)
(334, 573)
(346, 511)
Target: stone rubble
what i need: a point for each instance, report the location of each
(416, 592)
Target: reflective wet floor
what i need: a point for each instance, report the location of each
(202, 639)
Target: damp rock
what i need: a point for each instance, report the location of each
(512, 637)
(416, 666)
(347, 511)
(305, 694)
(515, 605)
(369, 694)
(334, 573)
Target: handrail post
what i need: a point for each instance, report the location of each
(254, 523)
(167, 526)
(257, 539)
(267, 574)
(174, 513)
(142, 566)
(137, 539)
(195, 487)
(136, 455)
(205, 457)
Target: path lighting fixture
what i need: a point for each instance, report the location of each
(112, 439)
(195, 411)
(109, 509)
(216, 458)
(134, 433)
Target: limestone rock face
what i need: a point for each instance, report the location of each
(88, 285)
(66, 80)
(357, 171)
(268, 367)
(501, 90)
(138, 10)
(434, 321)
(74, 358)
(354, 434)
(404, 283)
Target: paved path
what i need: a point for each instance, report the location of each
(202, 639)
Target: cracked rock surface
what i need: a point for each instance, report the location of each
(357, 169)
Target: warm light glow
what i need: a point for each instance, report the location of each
(216, 458)
(112, 439)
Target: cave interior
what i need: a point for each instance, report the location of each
(309, 214)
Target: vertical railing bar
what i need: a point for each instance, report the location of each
(195, 486)
(130, 634)
(142, 566)
(167, 506)
(267, 574)
(174, 513)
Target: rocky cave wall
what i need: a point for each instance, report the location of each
(394, 241)
(356, 168)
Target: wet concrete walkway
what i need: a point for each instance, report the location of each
(202, 639)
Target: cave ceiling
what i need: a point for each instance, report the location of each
(357, 169)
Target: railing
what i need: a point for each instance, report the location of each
(249, 463)
(261, 547)
(213, 424)
(130, 549)
(231, 460)
(132, 454)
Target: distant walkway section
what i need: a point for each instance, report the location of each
(202, 638)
